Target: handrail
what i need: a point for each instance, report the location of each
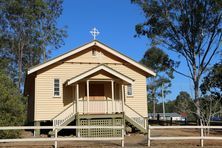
(135, 116)
(134, 110)
(63, 110)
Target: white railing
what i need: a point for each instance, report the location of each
(136, 117)
(64, 115)
(201, 137)
(56, 138)
(99, 106)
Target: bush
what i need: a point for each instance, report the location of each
(12, 110)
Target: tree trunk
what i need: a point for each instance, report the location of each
(20, 56)
(197, 101)
(154, 104)
(154, 108)
(20, 69)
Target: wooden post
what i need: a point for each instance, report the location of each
(148, 136)
(88, 124)
(123, 103)
(73, 94)
(145, 123)
(112, 88)
(36, 131)
(87, 85)
(77, 124)
(77, 98)
(201, 136)
(56, 135)
(122, 142)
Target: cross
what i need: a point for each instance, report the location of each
(94, 33)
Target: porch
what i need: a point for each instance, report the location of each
(100, 90)
(96, 96)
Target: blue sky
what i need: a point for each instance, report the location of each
(116, 20)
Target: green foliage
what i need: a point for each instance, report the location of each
(212, 83)
(157, 86)
(210, 107)
(28, 29)
(159, 61)
(185, 104)
(169, 107)
(182, 104)
(12, 111)
(193, 29)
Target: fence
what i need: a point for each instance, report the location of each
(56, 138)
(201, 137)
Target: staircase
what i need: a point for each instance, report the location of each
(66, 116)
(135, 119)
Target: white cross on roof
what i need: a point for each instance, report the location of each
(94, 33)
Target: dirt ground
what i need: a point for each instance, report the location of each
(132, 140)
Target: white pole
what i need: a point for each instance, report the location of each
(112, 87)
(202, 136)
(77, 98)
(163, 103)
(73, 93)
(87, 83)
(122, 141)
(123, 103)
(148, 136)
(56, 135)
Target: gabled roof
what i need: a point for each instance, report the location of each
(96, 69)
(86, 46)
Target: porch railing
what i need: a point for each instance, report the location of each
(99, 106)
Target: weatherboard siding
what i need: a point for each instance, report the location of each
(47, 106)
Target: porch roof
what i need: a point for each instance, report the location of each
(96, 69)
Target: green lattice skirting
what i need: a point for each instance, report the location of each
(100, 132)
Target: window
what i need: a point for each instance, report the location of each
(56, 88)
(129, 90)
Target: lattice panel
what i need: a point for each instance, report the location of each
(101, 132)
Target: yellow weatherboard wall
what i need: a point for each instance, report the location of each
(47, 106)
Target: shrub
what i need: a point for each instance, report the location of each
(12, 110)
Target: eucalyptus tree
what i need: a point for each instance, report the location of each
(28, 29)
(160, 62)
(192, 29)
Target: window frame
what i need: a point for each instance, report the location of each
(127, 87)
(59, 91)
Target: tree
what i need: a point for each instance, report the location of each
(27, 29)
(11, 106)
(184, 104)
(212, 83)
(210, 106)
(161, 63)
(190, 28)
(212, 94)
